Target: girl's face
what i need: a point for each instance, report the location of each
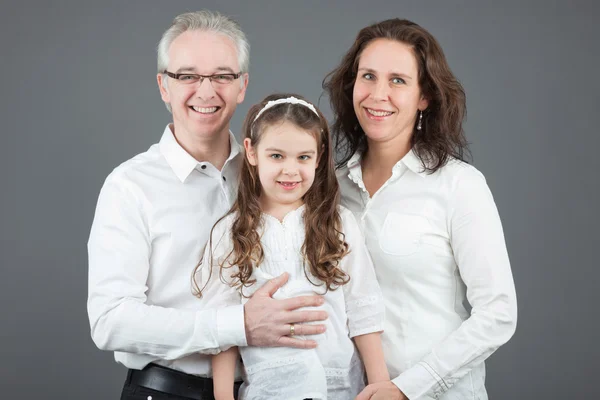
(386, 93)
(286, 158)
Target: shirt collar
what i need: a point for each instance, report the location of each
(355, 171)
(411, 160)
(180, 161)
(235, 147)
(354, 160)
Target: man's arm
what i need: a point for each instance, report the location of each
(119, 250)
(120, 320)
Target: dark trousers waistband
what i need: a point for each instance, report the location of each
(173, 382)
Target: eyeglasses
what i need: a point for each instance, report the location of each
(220, 79)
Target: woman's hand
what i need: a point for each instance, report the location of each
(381, 391)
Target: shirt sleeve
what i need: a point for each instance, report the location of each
(363, 296)
(217, 290)
(119, 251)
(477, 241)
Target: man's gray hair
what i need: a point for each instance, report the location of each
(208, 21)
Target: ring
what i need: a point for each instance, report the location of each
(292, 330)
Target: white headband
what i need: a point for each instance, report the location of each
(290, 100)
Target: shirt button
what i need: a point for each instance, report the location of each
(225, 179)
(203, 166)
(149, 397)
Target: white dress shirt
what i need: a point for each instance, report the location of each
(333, 370)
(153, 218)
(437, 243)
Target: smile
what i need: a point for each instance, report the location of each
(205, 110)
(288, 185)
(379, 113)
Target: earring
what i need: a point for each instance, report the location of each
(419, 125)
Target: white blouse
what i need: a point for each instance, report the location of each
(438, 247)
(331, 371)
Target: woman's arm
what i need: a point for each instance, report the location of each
(223, 365)
(479, 249)
(371, 352)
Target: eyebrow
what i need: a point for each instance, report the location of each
(393, 73)
(193, 69)
(281, 151)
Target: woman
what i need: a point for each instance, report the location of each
(429, 219)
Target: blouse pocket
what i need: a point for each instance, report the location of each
(402, 234)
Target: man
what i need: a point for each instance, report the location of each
(154, 216)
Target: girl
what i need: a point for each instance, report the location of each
(287, 219)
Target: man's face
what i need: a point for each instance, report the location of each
(202, 110)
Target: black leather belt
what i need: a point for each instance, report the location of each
(173, 382)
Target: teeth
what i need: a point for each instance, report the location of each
(205, 110)
(379, 113)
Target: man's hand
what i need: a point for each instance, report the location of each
(268, 321)
(381, 391)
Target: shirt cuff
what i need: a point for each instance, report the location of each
(419, 380)
(231, 330)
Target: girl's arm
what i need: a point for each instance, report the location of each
(218, 292)
(223, 365)
(364, 301)
(371, 352)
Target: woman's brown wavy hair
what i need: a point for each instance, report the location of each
(324, 245)
(441, 136)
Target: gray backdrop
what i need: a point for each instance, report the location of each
(79, 96)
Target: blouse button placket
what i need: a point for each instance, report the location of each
(285, 241)
(395, 176)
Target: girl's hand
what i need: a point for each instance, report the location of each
(381, 391)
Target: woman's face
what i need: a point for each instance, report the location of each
(386, 94)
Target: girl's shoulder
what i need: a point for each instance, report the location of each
(345, 214)
(226, 221)
(222, 227)
(349, 222)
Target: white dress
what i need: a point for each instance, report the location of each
(333, 370)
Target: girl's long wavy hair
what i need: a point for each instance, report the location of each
(441, 136)
(324, 244)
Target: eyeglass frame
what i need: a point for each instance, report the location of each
(202, 77)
